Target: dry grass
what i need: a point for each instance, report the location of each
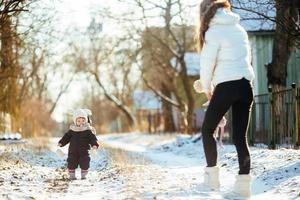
(10, 151)
(39, 144)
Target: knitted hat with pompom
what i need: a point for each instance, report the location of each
(84, 113)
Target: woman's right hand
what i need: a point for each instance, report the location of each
(59, 144)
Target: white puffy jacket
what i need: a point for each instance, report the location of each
(225, 55)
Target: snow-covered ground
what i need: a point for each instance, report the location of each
(143, 166)
(276, 173)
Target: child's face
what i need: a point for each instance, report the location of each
(80, 121)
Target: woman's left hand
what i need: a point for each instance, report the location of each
(209, 95)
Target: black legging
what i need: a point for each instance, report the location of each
(237, 94)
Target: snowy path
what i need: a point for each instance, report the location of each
(161, 176)
(176, 164)
(140, 166)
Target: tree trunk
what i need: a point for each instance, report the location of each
(169, 125)
(190, 99)
(8, 90)
(282, 45)
(278, 122)
(277, 72)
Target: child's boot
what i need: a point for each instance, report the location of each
(211, 177)
(72, 174)
(83, 173)
(242, 185)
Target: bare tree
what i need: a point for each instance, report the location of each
(11, 7)
(103, 58)
(173, 38)
(283, 16)
(26, 39)
(9, 70)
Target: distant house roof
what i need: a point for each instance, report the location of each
(192, 61)
(254, 14)
(146, 100)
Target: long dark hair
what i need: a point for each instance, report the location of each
(207, 9)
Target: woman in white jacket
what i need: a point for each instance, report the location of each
(225, 76)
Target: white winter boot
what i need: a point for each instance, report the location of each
(242, 185)
(211, 177)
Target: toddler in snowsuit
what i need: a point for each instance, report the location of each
(81, 137)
